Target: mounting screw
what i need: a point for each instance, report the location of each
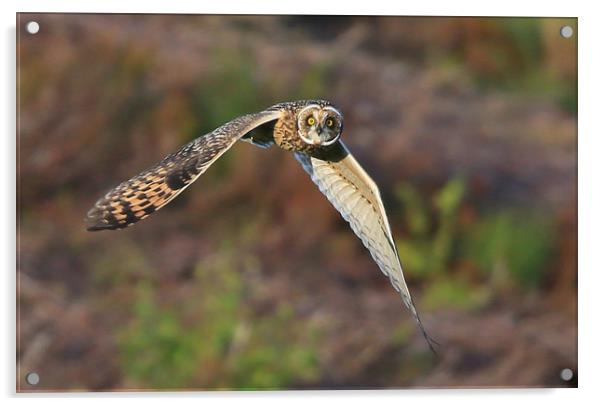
(566, 31)
(566, 374)
(32, 378)
(32, 27)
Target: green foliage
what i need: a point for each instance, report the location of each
(447, 202)
(507, 247)
(313, 84)
(215, 340)
(428, 251)
(402, 334)
(454, 293)
(113, 268)
(518, 55)
(230, 90)
(156, 350)
(527, 75)
(512, 246)
(526, 34)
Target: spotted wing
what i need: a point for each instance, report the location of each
(355, 195)
(137, 198)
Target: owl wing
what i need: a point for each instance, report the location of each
(137, 198)
(355, 195)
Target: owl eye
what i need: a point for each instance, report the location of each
(329, 122)
(311, 121)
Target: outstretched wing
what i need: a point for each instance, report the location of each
(152, 189)
(355, 195)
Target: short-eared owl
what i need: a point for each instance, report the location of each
(311, 129)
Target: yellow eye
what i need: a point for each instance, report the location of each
(311, 121)
(329, 122)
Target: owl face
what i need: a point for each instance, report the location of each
(320, 126)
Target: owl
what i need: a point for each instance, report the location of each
(311, 130)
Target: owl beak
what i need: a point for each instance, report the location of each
(319, 131)
(316, 138)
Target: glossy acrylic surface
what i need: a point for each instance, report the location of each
(250, 279)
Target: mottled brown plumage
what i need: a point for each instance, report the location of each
(137, 198)
(309, 128)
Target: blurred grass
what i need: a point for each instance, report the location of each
(509, 247)
(513, 246)
(216, 340)
(456, 293)
(429, 247)
(229, 90)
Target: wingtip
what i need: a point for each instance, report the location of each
(99, 223)
(98, 227)
(433, 344)
(93, 224)
(95, 221)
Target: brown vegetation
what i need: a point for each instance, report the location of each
(250, 279)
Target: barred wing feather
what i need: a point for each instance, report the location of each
(142, 195)
(355, 195)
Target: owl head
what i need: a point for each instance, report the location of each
(319, 125)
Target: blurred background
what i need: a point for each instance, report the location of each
(250, 279)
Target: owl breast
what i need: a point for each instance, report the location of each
(287, 137)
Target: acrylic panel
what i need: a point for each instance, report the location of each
(251, 279)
